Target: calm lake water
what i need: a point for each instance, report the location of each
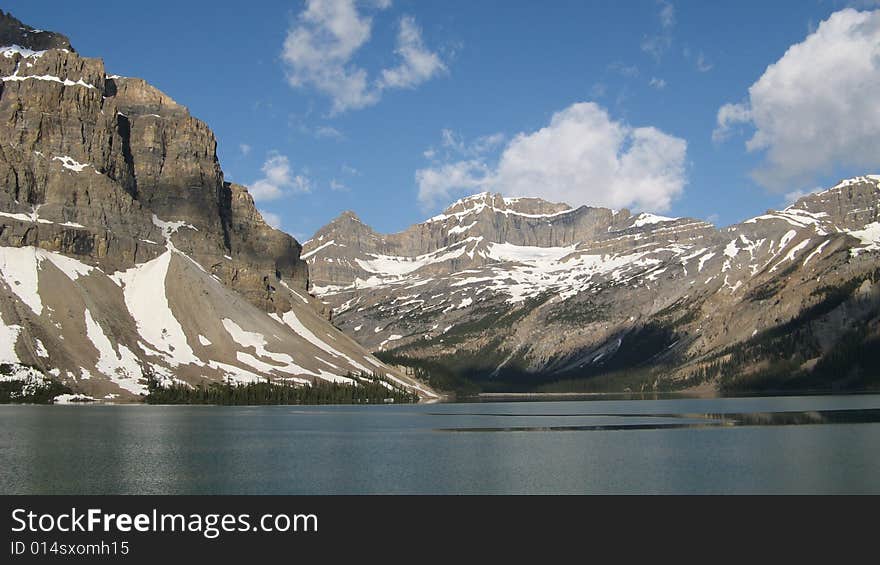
(807, 444)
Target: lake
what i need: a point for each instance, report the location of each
(798, 444)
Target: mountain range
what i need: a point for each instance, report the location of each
(522, 294)
(126, 258)
(128, 261)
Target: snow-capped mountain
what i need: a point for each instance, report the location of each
(123, 253)
(522, 291)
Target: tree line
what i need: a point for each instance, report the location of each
(370, 389)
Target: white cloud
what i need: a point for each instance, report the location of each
(703, 65)
(795, 195)
(581, 157)
(454, 144)
(337, 186)
(816, 108)
(730, 115)
(418, 64)
(317, 51)
(437, 183)
(486, 143)
(657, 45)
(328, 132)
(278, 180)
(450, 140)
(657, 83)
(245, 149)
(624, 70)
(667, 15)
(320, 46)
(270, 218)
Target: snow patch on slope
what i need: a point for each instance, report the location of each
(10, 50)
(15, 77)
(18, 268)
(258, 342)
(8, 339)
(145, 297)
(123, 367)
(645, 219)
(869, 236)
(69, 162)
(290, 320)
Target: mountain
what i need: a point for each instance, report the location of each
(124, 254)
(523, 294)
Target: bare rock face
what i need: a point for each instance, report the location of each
(13, 32)
(520, 293)
(124, 254)
(91, 158)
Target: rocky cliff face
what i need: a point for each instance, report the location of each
(111, 193)
(520, 293)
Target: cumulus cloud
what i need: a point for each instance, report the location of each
(582, 157)
(657, 83)
(320, 46)
(417, 65)
(278, 180)
(729, 116)
(816, 108)
(438, 182)
(270, 218)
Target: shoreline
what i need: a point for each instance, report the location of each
(500, 397)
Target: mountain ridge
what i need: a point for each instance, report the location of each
(547, 291)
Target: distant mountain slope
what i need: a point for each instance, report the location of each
(519, 293)
(123, 252)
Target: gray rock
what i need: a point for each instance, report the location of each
(526, 291)
(125, 253)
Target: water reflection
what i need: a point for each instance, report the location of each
(753, 445)
(678, 421)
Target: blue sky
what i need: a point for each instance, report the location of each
(393, 108)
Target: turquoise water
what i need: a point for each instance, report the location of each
(819, 444)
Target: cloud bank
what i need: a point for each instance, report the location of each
(581, 157)
(320, 47)
(816, 108)
(278, 180)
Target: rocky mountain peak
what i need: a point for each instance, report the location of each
(137, 96)
(850, 204)
(348, 216)
(524, 289)
(124, 253)
(497, 203)
(15, 33)
(475, 202)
